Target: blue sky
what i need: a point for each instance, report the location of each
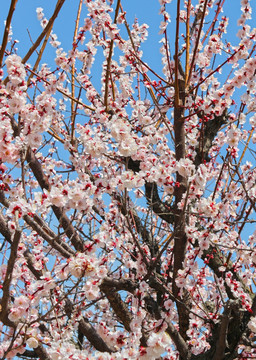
(25, 23)
(25, 19)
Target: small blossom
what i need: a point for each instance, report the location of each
(32, 342)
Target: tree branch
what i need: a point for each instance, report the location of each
(151, 191)
(117, 304)
(221, 342)
(59, 213)
(208, 133)
(9, 271)
(39, 227)
(42, 353)
(93, 337)
(179, 342)
(7, 30)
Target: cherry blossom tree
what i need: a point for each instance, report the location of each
(128, 193)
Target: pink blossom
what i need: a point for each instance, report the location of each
(15, 68)
(82, 265)
(16, 314)
(32, 342)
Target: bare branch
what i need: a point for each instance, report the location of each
(179, 342)
(42, 353)
(7, 30)
(109, 60)
(117, 304)
(59, 213)
(9, 271)
(88, 330)
(221, 343)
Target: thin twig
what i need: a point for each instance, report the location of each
(197, 41)
(63, 92)
(44, 32)
(42, 35)
(40, 54)
(73, 75)
(220, 8)
(216, 70)
(109, 60)
(176, 57)
(187, 43)
(7, 29)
